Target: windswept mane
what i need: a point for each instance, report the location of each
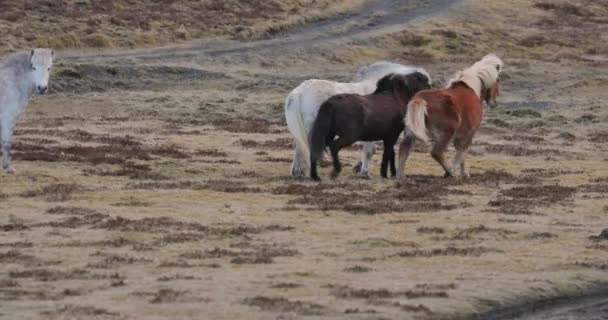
(378, 70)
(394, 81)
(385, 83)
(482, 74)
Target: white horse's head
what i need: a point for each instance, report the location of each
(41, 61)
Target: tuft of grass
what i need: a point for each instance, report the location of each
(586, 118)
(358, 269)
(55, 192)
(62, 41)
(409, 39)
(524, 113)
(97, 40)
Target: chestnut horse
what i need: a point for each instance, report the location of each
(451, 114)
(374, 117)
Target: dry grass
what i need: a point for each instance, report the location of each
(148, 23)
(176, 200)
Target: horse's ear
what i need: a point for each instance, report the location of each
(52, 53)
(32, 54)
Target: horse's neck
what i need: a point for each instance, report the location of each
(25, 84)
(18, 87)
(461, 86)
(403, 98)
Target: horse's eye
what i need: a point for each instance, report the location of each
(34, 68)
(49, 69)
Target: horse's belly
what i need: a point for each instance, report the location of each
(375, 134)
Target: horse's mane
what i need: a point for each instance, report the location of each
(394, 81)
(482, 74)
(385, 83)
(380, 69)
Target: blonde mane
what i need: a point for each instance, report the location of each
(482, 74)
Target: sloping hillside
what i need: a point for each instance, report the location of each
(136, 23)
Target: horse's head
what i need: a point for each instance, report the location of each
(414, 82)
(41, 61)
(490, 94)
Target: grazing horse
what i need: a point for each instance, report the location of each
(451, 114)
(20, 76)
(303, 103)
(374, 117)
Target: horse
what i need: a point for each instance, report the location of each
(303, 103)
(451, 114)
(20, 76)
(374, 117)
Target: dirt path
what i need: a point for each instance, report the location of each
(590, 307)
(378, 17)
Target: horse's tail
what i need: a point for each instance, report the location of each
(295, 123)
(415, 119)
(320, 131)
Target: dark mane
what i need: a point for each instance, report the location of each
(410, 83)
(385, 83)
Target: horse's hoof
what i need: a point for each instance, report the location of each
(363, 176)
(448, 175)
(317, 179)
(10, 171)
(357, 168)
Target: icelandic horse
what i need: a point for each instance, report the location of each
(451, 114)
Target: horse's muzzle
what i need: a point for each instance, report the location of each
(42, 90)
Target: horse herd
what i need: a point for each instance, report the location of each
(384, 100)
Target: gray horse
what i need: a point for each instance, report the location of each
(20, 76)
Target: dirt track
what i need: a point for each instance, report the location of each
(379, 17)
(152, 184)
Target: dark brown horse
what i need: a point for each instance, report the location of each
(374, 117)
(452, 114)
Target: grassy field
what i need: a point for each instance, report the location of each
(155, 189)
(148, 23)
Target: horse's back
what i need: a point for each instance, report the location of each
(459, 108)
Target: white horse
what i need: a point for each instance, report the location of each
(20, 76)
(303, 103)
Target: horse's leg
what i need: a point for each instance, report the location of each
(314, 175)
(391, 145)
(388, 157)
(335, 147)
(297, 169)
(6, 136)
(367, 152)
(438, 153)
(404, 152)
(392, 162)
(461, 145)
